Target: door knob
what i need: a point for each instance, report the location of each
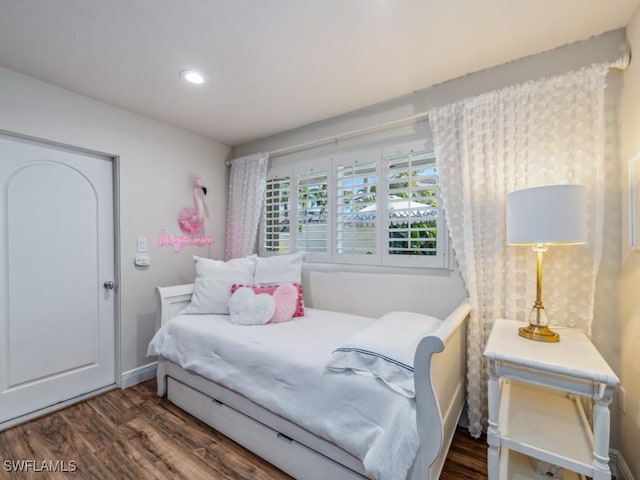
(109, 285)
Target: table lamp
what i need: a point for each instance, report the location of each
(543, 216)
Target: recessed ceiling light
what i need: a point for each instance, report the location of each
(192, 76)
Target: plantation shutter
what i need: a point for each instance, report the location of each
(368, 206)
(312, 227)
(276, 217)
(413, 212)
(356, 216)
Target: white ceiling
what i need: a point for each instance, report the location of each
(277, 64)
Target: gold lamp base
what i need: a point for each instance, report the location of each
(537, 329)
(539, 334)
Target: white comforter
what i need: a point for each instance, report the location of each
(282, 367)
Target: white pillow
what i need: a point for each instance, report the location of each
(279, 269)
(385, 350)
(248, 308)
(212, 287)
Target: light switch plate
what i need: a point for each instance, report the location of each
(141, 244)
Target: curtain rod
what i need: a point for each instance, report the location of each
(620, 64)
(343, 136)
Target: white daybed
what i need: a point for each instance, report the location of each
(439, 395)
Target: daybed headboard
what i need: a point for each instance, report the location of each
(374, 294)
(172, 300)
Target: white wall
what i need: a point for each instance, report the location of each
(380, 285)
(157, 162)
(630, 299)
(599, 49)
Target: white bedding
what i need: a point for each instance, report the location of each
(282, 368)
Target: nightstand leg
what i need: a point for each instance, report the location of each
(493, 432)
(601, 469)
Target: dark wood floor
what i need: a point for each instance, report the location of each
(132, 434)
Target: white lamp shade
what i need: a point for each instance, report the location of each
(553, 214)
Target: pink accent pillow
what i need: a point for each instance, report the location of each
(299, 311)
(286, 299)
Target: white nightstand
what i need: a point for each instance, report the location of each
(535, 409)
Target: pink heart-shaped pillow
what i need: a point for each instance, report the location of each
(286, 298)
(247, 308)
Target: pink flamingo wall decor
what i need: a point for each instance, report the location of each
(192, 218)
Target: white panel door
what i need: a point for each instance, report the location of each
(57, 319)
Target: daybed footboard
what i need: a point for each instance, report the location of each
(439, 385)
(440, 374)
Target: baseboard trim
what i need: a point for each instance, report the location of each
(619, 467)
(138, 375)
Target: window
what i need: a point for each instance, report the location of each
(375, 207)
(275, 218)
(297, 210)
(312, 211)
(356, 193)
(412, 205)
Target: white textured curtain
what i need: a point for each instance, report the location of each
(543, 132)
(246, 192)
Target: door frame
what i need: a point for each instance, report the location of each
(117, 352)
